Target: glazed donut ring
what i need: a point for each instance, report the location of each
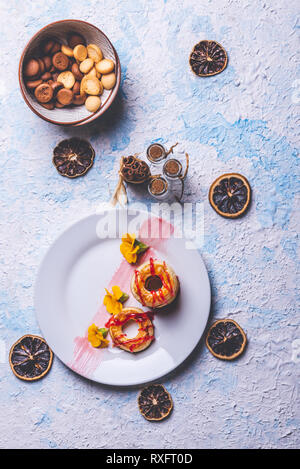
(145, 333)
(154, 284)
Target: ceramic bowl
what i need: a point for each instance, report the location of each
(72, 115)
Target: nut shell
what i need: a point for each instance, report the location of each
(46, 76)
(43, 93)
(64, 96)
(48, 62)
(32, 68)
(79, 99)
(56, 48)
(47, 46)
(42, 65)
(76, 72)
(50, 105)
(75, 39)
(60, 61)
(32, 84)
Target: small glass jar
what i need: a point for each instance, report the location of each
(172, 169)
(156, 153)
(158, 187)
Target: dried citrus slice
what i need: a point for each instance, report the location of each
(208, 58)
(155, 403)
(73, 157)
(226, 339)
(30, 358)
(230, 195)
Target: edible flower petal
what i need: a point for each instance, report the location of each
(117, 292)
(129, 238)
(131, 247)
(96, 336)
(113, 301)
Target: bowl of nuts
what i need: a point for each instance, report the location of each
(69, 73)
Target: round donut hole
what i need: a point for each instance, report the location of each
(131, 329)
(153, 283)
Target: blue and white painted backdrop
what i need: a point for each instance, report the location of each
(244, 120)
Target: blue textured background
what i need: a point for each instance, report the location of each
(243, 120)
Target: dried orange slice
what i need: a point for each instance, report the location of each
(30, 358)
(155, 403)
(230, 195)
(208, 58)
(226, 339)
(73, 157)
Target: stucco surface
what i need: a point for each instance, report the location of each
(243, 120)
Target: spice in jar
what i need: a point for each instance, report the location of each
(156, 152)
(172, 168)
(158, 186)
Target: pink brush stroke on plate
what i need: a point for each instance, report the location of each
(154, 232)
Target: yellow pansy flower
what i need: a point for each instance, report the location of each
(96, 336)
(131, 247)
(113, 301)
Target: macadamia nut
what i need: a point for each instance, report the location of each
(105, 66)
(94, 52)
(86, 65)
(108, 81)
(67, 50)
(80, 52)
(67, 79)
(93, 103)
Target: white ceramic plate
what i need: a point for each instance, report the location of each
(70, 289)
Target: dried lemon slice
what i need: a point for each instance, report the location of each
(226, 339)
(208, 58)
(230, 195)
(73, 157)
(155, 403)
(94, 52)
(30, 358)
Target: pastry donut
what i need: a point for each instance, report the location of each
(145, 333)
(154, 284)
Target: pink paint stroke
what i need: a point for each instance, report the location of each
(154, 232)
